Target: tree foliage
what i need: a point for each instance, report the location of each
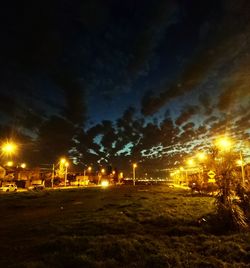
(233, 197)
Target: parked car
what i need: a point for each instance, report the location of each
(36, 187)
(9, 188)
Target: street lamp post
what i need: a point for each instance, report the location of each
(84, 173)
(100, 175)
(66, 173)
(201, 158)
(225, 144)
(242, 169)
(183, 174)
(134, 167)
(120, 177)
(64, 169)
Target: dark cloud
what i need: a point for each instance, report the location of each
(19, 113)
(92, 14)
(193, 75)
(8, 105)
(188, 126)
(223, 45)
(54, 140)
(211, 119)
(219, 128)
(236, 88)
(54, 56)
(206, 102)
(187, 112)
(243, 121)
(159, 17)
(75, 106)
(201, 131)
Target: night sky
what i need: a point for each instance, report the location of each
(113, 82)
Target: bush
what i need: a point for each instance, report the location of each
(233, 208)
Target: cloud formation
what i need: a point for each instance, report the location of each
(187, 112)
(192, 50)
(221, 49)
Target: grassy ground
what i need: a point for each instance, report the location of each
(145, 226)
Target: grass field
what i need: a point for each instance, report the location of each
(144, 226)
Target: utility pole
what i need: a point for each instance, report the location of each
(66, 171)
(53, 175)
(134, 166)
(242, 169)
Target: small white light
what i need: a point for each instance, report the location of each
(104, 183)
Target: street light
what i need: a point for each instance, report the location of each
(9, 148)
(201, 156)
(226, 144)
(134, 167)
(9, 164)
(88, 169)
(105, 183)
(64, 168)
(190, 162)
(63, 161)
(84, 173)
(23, 165)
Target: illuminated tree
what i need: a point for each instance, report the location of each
(232, 200)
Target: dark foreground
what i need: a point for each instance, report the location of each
(149, 226)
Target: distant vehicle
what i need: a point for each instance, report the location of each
(9, 188)
(36, 187)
